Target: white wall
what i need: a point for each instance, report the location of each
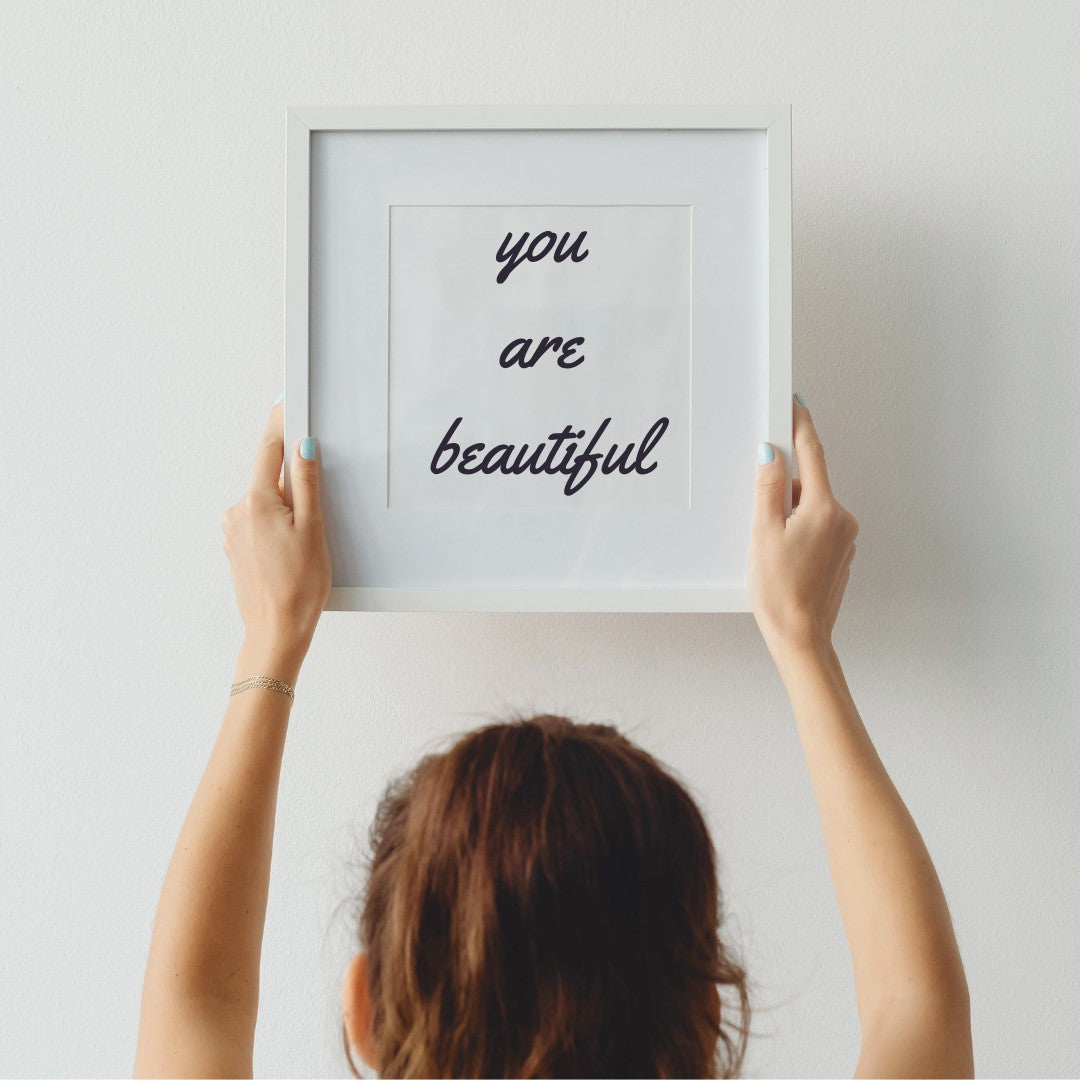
(937, 314)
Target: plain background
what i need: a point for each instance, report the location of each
(937, 314)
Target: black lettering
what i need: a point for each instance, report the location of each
(572, 251)
(445, 445)
(649, 442)
(495, 459)
(510, 257)
(507, 360)
(568, 350)
(558, 455)
(573, 484)
(536, 256)
(540, 248)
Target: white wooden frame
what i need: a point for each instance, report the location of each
(775, 121)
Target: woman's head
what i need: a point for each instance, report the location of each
(543, 902)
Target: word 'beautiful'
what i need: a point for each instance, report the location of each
(579, 468)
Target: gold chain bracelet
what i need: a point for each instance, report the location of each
(264, 681)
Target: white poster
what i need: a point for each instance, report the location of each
(539, 356)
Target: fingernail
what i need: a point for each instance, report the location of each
(307, 448)
(799, 398)
(765, 453)
(280, 398)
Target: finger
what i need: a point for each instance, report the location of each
(271, 452)
(796, 491)
(769, 487)
(809, 456)
(305, 481)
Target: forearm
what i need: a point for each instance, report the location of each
(892, 905)
(205, 948)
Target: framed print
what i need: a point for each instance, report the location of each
(538, 347)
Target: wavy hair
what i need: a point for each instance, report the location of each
(542, 901)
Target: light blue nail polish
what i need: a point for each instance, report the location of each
(765, 453)
(280, 398)
(307, 448)
(799, 398)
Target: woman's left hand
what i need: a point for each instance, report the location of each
(278, 554)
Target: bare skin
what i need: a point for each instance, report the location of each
(201, 990)
(910, 987)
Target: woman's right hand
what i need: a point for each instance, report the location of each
(799, 565)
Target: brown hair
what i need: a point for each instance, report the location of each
(543, 902)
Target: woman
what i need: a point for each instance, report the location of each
(543, 896)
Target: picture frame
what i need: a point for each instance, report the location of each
(348, 167)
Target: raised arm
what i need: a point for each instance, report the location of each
(910, 987)
(201, 990)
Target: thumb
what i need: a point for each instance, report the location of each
(305, 480)
(769, 487)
